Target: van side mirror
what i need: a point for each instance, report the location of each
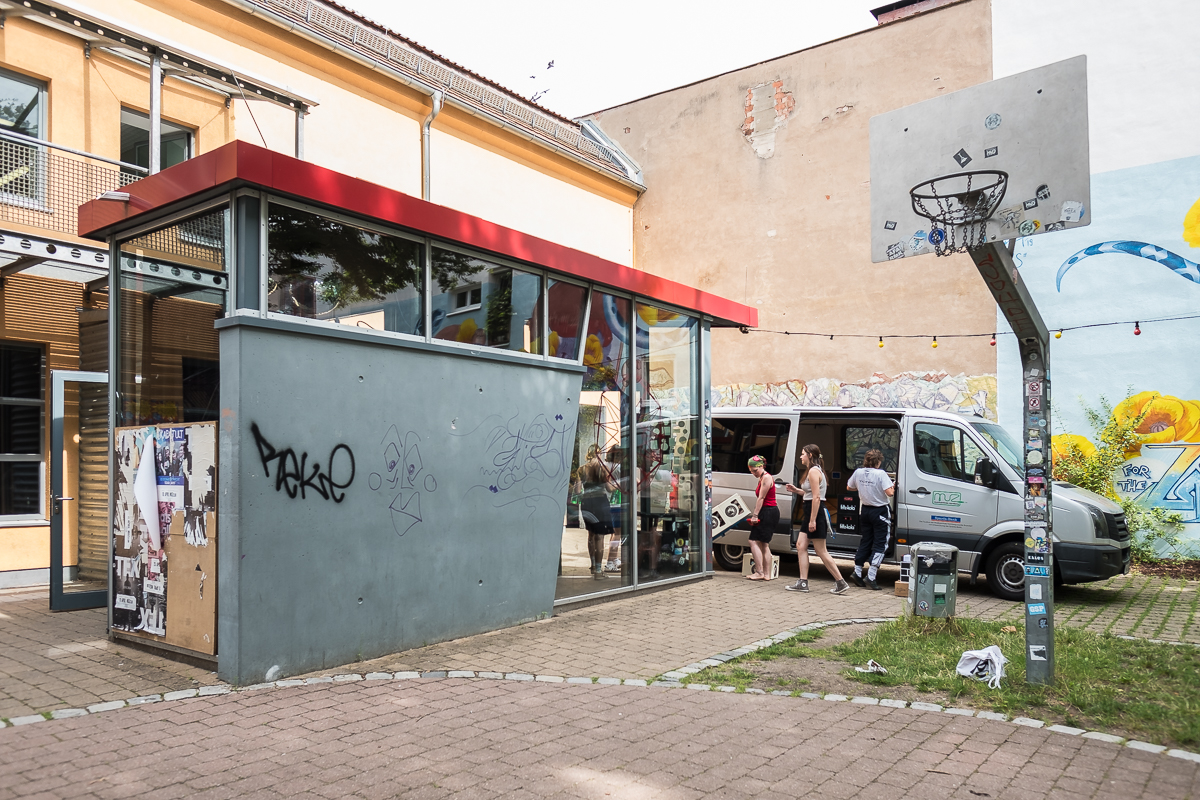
(986, 473)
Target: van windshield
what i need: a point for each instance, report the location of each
(1008, 447)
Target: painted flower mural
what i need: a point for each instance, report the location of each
(1166, 419)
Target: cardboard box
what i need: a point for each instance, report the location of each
(901, 588)
(748, 562)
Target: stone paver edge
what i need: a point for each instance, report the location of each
(672, 683)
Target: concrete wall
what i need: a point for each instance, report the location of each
(1145, 191)
(759, 191)
(452, 522)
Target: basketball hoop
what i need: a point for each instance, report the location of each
(959, 206)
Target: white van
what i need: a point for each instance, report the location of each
(957, 480)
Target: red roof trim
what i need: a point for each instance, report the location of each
(244, 163)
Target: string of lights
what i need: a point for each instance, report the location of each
(1058, 332)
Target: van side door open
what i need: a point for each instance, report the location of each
(939, 499)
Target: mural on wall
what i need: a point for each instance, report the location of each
(936, 391)
(1137, 261)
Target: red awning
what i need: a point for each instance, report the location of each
(240, 164)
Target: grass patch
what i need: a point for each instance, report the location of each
(1142, 690)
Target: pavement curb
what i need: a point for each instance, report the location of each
(668, 680)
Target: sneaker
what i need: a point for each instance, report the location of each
(841, 587)
(872, 585)
(599, 575)
(798, 586)
(858, 581)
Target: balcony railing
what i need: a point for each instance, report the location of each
(43, 184)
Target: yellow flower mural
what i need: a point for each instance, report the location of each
(593, 351)
(1191, 225)
(1062, 444)
(1167, 419)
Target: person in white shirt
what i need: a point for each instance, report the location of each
(874, 517)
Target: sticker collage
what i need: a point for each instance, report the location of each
(1039, 559)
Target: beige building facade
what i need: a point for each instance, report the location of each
(758, 190)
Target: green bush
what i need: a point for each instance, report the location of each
(1151, 529)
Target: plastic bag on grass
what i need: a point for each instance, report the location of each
(983, 665)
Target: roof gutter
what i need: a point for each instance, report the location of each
(283, 22)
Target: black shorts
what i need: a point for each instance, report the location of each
(768, 521)
(822, 530)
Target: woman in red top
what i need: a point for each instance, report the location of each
(763, 521)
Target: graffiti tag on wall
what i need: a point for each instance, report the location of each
(293, 474)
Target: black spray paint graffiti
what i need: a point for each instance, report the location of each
(292, 475)
(403, 471)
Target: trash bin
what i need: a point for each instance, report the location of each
(933, 580)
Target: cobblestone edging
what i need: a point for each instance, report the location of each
(668, 680)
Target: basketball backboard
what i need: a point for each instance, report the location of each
(1001, 160)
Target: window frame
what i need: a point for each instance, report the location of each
(8, 520)
(37, 200)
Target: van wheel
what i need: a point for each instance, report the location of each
(729, 556)
(1006, 571)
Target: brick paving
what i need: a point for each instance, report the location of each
(58, 661)
(64, 660)
(476, 738)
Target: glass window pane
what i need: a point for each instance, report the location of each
(20, 372)
(169, 252)
(566, 315)
(669, 473)
(938, 450)
(321, 268)
(21, 429)
(169, 303)
(20, 487)
(860, 440)
(736, 440)
(502, 303)
(175, 141)
(596, 550)
(20, 105)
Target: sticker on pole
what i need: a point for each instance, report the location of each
(1037, 572)
(727, 513)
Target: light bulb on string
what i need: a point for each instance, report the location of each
(993, 341)
(1059, 334)
(935, 342)
(1137, 329)
(881, 341)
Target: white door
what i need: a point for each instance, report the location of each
(939, 499)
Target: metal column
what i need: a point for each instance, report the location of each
(996, 266)
(156, 78)
(301, 112)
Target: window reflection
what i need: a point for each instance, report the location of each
(596, 549)
(478, 302)
(566, 302)
(324, 269)
(668, 431)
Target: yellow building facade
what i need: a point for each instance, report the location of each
(79, 118)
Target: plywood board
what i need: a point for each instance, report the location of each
(192, 576)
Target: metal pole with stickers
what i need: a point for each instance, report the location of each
(963, 173)
(995, 265)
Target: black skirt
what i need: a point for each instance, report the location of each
(768, 521)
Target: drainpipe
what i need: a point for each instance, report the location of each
(155, 113)
(426, 149)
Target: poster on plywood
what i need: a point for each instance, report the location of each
(164, 504)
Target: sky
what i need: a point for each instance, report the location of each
(608, 53)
